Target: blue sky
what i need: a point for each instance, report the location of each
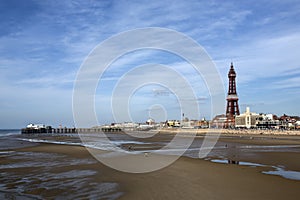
(43, 44)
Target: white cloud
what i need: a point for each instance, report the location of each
(263, 57)
(290, 82)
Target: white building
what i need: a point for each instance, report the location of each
(254, 120)
(246, 120)
(297, 124)
(150, 121)
(173, 123)
(267, 121)
(36, 126)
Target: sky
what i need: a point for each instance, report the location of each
(43, 44)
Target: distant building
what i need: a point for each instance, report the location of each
(203, 123)
(246, 120)
(36, 126)
(126, 126)
(290, 122)
(268, 121)
(259, 121)
(150, 121)
(297, 125)
(219, 121)
(173, 123)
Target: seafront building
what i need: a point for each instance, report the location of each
(218, 121)
(269, 121)
(262, 121)
(173, 123)
(246, 120)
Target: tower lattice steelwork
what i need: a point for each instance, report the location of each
(232, 99)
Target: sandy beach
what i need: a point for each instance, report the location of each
(56, 171)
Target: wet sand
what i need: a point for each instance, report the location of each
(187, 178)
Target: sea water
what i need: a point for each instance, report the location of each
(47, 170)
(9, 132)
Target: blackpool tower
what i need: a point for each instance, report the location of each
(232, 108)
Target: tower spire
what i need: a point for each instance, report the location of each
(232, 108)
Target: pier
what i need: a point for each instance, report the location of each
(49, 129)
